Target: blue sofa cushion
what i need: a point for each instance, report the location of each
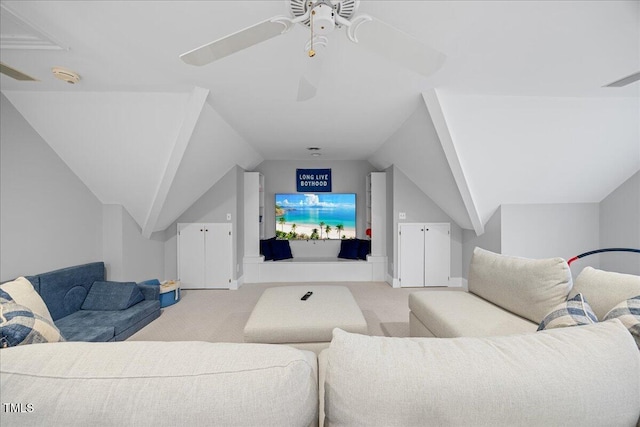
(120, 320)
(64, 290)
(281, 250)
(88, 333)
(349, 248)
(106, 296)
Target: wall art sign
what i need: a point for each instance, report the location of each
(318, 180)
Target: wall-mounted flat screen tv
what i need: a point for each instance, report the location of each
(315, 216)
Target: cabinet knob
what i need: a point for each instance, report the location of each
(201, 229)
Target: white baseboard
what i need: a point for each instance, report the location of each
(235, 284)
(395, 283)
(455, 282)
(458, 282)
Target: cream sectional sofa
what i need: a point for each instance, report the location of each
(499, 374)
(582, 376)
(512, 295)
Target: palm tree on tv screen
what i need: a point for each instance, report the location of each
(281, 220)
(327, 229)
(339, 229)
(321, 228)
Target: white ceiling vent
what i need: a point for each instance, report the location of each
(65, 75)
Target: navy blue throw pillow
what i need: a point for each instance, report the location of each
(349, 248)
(364, 249)
(281, 250)
(265, 248)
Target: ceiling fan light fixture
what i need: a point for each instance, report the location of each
(65, 75)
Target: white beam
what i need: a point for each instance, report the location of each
(192, 114)
(440, 123)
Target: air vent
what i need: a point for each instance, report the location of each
(345, 8)
(625, 80)
(15, 74)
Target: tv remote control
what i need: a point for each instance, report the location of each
(306, 296)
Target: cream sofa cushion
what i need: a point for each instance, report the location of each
(530, 288)
(605, 289)
(160, 384)
(582, 376)
(450, 314)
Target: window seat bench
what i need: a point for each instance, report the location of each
(314, 269)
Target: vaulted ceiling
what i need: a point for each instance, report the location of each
(518, 112)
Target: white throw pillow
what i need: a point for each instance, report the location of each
(22, 292)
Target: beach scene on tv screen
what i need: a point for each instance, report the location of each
(315, 216)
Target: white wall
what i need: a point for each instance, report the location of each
(116, 142)
(213, 206)
(552, 230)
(552, 149)
(418, 207)
(391, 240)
(112, 241)
(48, 218)
(143, 258)
(129, 256)
(214, 149)
(347, 176)
(620, 227)
(416, 149)
(490, 240)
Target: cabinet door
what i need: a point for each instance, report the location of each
(411, 255)
(191, 255)
(218, 256)
(437, 254)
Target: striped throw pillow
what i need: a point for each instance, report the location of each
(574, 312)
(628, 312)
(19, 325)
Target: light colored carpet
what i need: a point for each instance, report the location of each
(220, 315)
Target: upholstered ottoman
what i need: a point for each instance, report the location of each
(281, 317)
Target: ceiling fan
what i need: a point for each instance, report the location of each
(322, 17)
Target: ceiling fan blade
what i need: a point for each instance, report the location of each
(237, 41)
(393, 44)
(310, 80)
(15, 74)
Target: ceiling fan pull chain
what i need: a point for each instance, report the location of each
(312, 52)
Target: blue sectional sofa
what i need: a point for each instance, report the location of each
(83, 314)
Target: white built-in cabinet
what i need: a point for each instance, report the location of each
(205, 255)
(424, 254)
(254, 215)
(376, 201)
